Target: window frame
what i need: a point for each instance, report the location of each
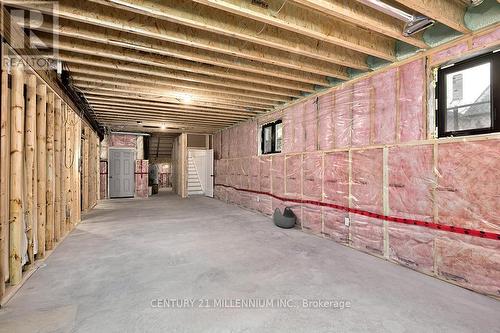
(271, 125)
(441, 112)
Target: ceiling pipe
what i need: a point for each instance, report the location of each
(414, 23)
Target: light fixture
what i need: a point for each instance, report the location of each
(414, 23)
(163, 126)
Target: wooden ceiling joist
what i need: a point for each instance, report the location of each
(151, 110)
(87, 87)
(363, 16)
(290, 17)
(170, 90)
(91, 13)
(117, 74)
(184, 108)
(174, 56)
(333, 45)
(106, 114)
(136, 100)
(78, 63)
(133, 96)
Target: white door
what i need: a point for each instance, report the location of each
(121, 173)
(209, 189)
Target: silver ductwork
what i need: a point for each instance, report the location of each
(414, 23)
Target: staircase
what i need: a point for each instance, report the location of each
(194, 184)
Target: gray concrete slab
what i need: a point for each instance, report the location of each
(113, 273)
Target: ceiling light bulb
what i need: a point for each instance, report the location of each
(163, 126)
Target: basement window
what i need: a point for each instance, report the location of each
(272, 137)
(469, 97)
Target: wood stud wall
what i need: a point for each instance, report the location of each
(41, 140)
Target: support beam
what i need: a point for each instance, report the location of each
(16, 220)
(30, 151)
(364, 17)
(49, 228)
(41, 152)
(449, 12)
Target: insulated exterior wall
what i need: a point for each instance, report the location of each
(359, 157)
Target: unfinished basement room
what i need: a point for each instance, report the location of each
(230, 166)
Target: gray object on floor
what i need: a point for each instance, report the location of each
(286, 220)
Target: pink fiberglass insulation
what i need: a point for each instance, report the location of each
(265, 205)
(221, 172)
(472, 266)
(367, 234)
(313, 176)
(311, 219)
(361, 114)
(245, 172)
(141, 178)
(411, 182)
(336, 178)
(342, 117)
(384, 97)
(366, 187)
(486, 39)
(265, 173)
(225, 142)
(298, 129)
(468, 185)
(278, 175)
(448, 53)
(288, 130)
(293, 179)
(366, 192)
(326, 140)
(412, 246)
(334, 226)
(123, 141)
(411, 101)
(254, 174)
(310, 125)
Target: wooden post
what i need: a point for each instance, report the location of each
(49, 228)
(4, 181)
(69, 167)
(16, 174)
(76, 170)
(57, 170)
(41, 127)
(85, 171)
(64, 170)
(30, 143)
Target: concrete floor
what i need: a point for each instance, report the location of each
(108, 275)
